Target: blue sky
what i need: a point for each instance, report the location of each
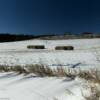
(49, 16)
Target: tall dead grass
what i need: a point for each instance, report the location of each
(93, 79)
(41, 70)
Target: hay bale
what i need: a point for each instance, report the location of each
(36, 47)
(64, 48)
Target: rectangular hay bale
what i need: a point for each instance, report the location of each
(64, 48)
(36, 47)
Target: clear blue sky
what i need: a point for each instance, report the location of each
(49, 16)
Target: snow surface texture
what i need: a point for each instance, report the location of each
(20, 87)
(85, 53)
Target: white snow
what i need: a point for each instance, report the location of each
(20, 87)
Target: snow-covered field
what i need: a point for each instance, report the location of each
(16, 53)
(20, 87)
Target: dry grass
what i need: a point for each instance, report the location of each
(93, 75)
(40, 70)
(93, 79)
(43, 70)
